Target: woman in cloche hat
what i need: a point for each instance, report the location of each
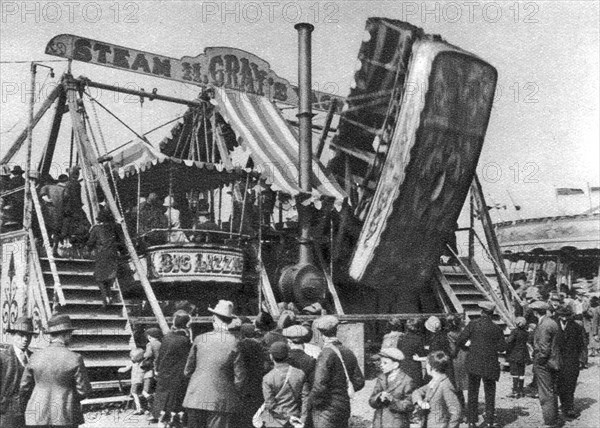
(55, 381)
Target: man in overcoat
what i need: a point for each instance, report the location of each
(546, 361)
(570, 344)
(218, 374)
(55, 381)
(12, 365)
(487, 340)
(329, 400)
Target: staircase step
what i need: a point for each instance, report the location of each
(89, 302)
(110, 384)
(97, 316)
(106, 400)
(62, 273)
(107, 361)
(99, 331)
(99, 347)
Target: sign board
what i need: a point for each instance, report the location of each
(219, 66)
(195, 264)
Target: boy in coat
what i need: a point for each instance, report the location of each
(518, 356)
(486, 340)
(391, 397)
(438, 398)
(55, 380)
(12, 365)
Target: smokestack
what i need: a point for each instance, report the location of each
(305, 116)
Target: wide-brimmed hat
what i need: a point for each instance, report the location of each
(224, 309)
(17, 170)
(433, 324)
(22, 325)
(392, 353)
(59, 324)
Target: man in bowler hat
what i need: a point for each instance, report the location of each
(482, 363)
(12, 365)
(55, 381)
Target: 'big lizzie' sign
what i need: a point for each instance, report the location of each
(221, 66)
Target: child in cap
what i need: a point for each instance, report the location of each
(154, 336)
(518, 356)
(391, 396)
(137, 378)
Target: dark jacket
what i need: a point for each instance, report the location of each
(395, 413)
(53, 385)
(171, 382)
(299, 359)
(516, 346)
(487, 340)
(328, 397)
(570, 343)
(104, 237)
(11, 372)
(412, 344)
(217, 373)
(253, 359)
(545, 344)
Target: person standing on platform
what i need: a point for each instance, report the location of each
(218, 374)
(571, 342)
(487, 340)
(546, 361)
(337, 369)
(55, 381)
(12, 365)
(518, 356)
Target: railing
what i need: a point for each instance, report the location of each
(47, 246)
(190, 236)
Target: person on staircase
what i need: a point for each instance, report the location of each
(53, 195)
(106, 240)
(12, 365)
(75, 225)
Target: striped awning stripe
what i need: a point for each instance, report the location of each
(273, 144)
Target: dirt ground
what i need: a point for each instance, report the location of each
(511, 413)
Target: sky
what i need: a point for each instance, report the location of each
(544, 127)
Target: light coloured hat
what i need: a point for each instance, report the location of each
(392, 353)
(520, 322)
(22, 325)
(295, 332)
(326, 322)
(59, 324)
(169, 202)
(224, 309)
(538, 305)
(433, 324)
(487, 306)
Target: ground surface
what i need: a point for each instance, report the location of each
(511, 413)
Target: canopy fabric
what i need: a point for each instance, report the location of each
(550, 234)
(273, 145)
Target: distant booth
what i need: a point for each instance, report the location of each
(562, 249)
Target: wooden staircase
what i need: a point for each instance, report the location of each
(103, 336)
(462, 289)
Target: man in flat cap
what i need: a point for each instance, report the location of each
(218, 374)
(487, 340)
(55, 380)
(296, 335)
(391, 396)
(570, 344)
(337, 369)
(546, 361)
(12, 365)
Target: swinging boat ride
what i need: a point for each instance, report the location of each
(371, 223)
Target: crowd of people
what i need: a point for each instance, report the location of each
(264, 373)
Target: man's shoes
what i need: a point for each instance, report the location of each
(571, 414)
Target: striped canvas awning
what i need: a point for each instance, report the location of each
(273, 145)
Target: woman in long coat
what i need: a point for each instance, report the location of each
(104, 237)
(171, 383)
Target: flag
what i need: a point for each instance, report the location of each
(566, 191)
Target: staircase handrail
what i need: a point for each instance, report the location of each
(41, 288)
(505, 280)
(48, 247)
(491, 295)
(441, 277)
